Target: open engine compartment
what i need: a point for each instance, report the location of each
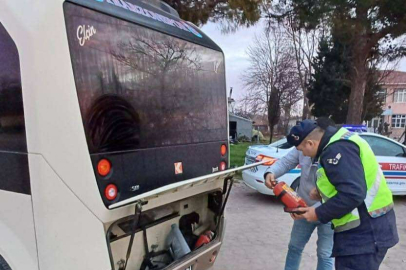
(151, 240)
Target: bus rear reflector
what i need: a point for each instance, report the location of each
(213, 257)
(223, 150)
(104, 167)
(223, 166)
(111, 192)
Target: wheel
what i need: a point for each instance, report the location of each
(3, 264)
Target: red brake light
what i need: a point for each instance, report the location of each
(111, 192)
(223, 149)
(269, 160)
(104, 167)
(223, 166)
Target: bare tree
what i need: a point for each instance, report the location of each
(304, 43)
(271, 79)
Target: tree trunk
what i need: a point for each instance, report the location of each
(287, 110)
(274, 111)
(306, 111)
(358, 83)
(271, 132)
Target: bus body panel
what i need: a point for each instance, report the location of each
(69, 213)
(49, 85)
(68, 234)
(46, 78)
(17, 231)
(38, 29)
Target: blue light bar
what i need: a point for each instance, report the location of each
(356, 128)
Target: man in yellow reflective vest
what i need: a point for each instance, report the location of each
(355, 196)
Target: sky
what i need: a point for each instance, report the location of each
(235, 46)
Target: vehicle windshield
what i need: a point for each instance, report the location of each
(139, 88)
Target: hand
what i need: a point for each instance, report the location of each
(309, 214)
(315, 195)
(270, 181)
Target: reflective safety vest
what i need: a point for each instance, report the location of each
(378, 200)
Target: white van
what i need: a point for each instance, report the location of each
(113, 129)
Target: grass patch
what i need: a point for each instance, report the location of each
(237, 155)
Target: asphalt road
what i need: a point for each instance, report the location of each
(258, 232)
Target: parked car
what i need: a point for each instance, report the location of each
(390, 154)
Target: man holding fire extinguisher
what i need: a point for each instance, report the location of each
(356, 198)
(302, 229)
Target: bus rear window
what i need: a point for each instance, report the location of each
(139, 88)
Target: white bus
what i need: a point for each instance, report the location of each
(113, 127)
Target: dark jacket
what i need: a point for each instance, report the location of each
(349, 180)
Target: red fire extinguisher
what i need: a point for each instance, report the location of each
(289, 198)
(204, 239)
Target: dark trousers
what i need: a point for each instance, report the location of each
(370, 261)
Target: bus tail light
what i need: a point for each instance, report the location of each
(111, 192)
(104, 167)
(223, 166)
(223, 150)
(268, 160)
